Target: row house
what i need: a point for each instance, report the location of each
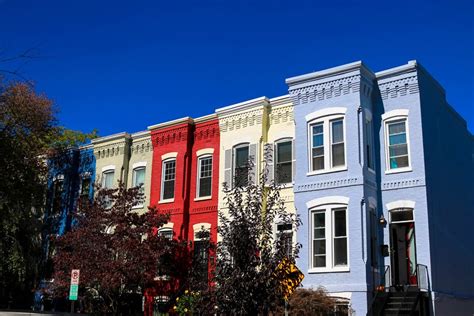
(247, 128)
(384, 190)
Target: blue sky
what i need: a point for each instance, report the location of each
(124, 65)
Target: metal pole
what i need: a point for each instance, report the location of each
(72, 307)
(286, 307)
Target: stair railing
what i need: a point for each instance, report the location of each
(387, 280)
(422, 277)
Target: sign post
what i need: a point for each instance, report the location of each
(74, 289)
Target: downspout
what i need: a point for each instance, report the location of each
(363, 230)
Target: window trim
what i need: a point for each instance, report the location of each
(163, 181)
(390, 117)
(275, 160)
(326, 122)
(328, 205)
(198, 176)
(134, 170)
(104, 172)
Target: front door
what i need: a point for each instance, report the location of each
(403, 254)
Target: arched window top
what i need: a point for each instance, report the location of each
(108, 168)
(201, 228)
(400, 204)
(169, 155)
(205, 151)
(140, 164)
(325, 112)
(327, 200)
(394, 114)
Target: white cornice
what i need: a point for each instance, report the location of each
(281, 100)
(85, 147)
(142, 134)
(330, 72)
(410, 66)
(243, 106)
(110, 138)
(182, 120)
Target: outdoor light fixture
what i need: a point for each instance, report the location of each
(382, 220)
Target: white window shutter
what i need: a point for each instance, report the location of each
(253, 160)
(228, 167)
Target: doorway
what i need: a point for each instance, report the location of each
(403, 249)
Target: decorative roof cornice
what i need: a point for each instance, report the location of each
(242, 107)
(281, 100)
(110, 138)
(139, 135)
(86, 147)
(182, 120)
(205, 118)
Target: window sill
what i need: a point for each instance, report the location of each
(166, 201)
(329, 270)
(398, 170)
(136, 207)
(203, 198)
(314, 173)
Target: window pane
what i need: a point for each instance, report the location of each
(320, 220)
(319, 261)
(397, 139)
(398, 150)
(241, 156)
(205, 186)
(168, 190)
(338, 155)
(396, 128)
(318, 163)
(85, 186)
(169, 179)
(339, 223)
(337, 131)
(340, 251)
(284, 152)
(319, 247)
(139, 176)
(398, 162)
(319, 233)
(283, 227)
(283, 172)
(401, 215)
(318, 151)
(318, 129)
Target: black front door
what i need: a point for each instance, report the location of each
(403, 257)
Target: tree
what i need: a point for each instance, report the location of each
(309, 302)
(116, 249)
(29, 134)
(249, 253)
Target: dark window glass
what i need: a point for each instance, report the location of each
(241, 171)
(318, 147)
(338, 158)
(201, 259)
(402, 215)
(340, 238)
(283, 162)
(169, 176)
(205, 176)
(285, 232)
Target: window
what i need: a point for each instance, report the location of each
(138, 177)
(166, 233)
(108, 179)
(58, 188)
(204, 176)
(241, 166)
(169, 176)
(397, 144)
(285, 232)
(284, 162)
(337, 143)
(327, 150)
(369, 147)
(329, 238)
(317, 147)
(85, 189)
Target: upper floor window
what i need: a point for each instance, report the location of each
(241, 166)
(138, 177)
(58, 189)
(168, 179)
(397, 145)
(285, 232)
(108, 179)
(84, 194)
(204, 181)
(327, 140)
(283, 162)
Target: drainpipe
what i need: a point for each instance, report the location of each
(359, 133)
(363, 230)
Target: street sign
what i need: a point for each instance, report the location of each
(290, 276)
(74, 289)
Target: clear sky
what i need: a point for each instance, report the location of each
(124, 65)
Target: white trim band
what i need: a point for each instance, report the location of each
(169, 155)
(325, 112)
(327, 200)
(400, 204)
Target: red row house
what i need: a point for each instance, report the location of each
(185, 181)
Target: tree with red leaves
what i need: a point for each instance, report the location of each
(116, 248)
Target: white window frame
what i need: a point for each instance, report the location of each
(292, 230)
(198, 177)
(162, 200)
(275, 160)
(328, 208)
(326, 117)
(134, 183)
(391, 117)
(234, 165)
